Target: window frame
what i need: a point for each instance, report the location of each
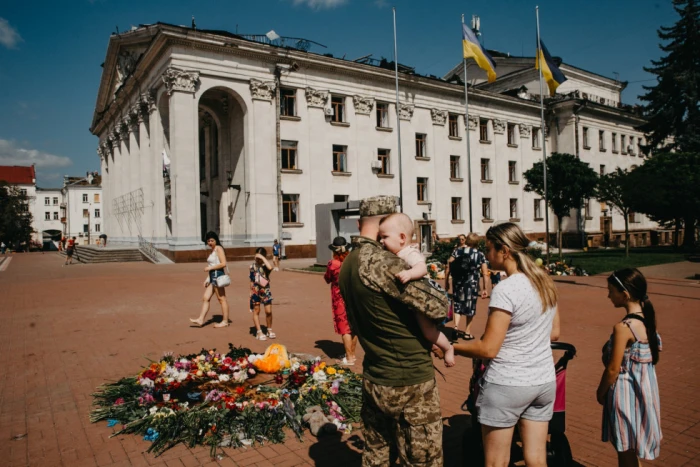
(385, 160)
(456, 208)
(289, 150)
(513, 208)
(382, 109)
(585, 137)
(537, 209)
(486, 209)
(512, 138)
(289, 200)
(513, 172)
(623, 146)
(96, 213)
(287, 95)
(422, 189)
(485, 169)
(47, 216)
(47, 201)
(85, 198)
(454, 167)
(55, 216)
(536, 143)
(453, 123)
(338, 105)
(601, 141)
(422, 145)
(484, 130)
(340, 156)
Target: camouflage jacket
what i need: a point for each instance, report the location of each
(378, 269)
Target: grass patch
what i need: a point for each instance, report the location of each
(319, 269)
(599, 261)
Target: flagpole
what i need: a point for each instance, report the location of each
(466, 126)
(398, 118)
(543, 132)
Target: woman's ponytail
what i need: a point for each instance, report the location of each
(650, 325)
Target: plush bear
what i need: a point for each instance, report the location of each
(318, 422)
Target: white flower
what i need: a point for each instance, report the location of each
(224, 377)
(320, 376)
(153, 410)
(146, 382)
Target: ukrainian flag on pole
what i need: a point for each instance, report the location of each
(550, 72)
(472, 49)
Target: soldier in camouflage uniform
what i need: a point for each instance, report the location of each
(401, 404)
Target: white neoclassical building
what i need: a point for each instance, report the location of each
(206, 130)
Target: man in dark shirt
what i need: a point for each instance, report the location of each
(401, 404)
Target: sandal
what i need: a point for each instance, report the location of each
(260, 336)
(347, 362)
(468, 337)
(271, 334)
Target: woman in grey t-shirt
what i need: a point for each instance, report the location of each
(519, 384)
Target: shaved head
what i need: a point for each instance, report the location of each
(400, 221)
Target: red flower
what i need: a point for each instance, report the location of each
(240, 390)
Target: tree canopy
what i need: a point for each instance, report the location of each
(672, 106)
(15, 218)
(613, 189)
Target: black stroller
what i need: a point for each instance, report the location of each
(558, 449)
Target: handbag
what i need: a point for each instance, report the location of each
(223, 280)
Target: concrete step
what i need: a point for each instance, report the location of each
(89, 254)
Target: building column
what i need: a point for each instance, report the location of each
(145, 169)
(133, 174)
(115, 179)
(184, 166)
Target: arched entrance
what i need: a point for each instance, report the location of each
(50, 239)
(221, 164)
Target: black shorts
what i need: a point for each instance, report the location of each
(70, 252)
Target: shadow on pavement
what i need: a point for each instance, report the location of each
(332, 451)
(331, 348)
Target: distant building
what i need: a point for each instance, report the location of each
(188, 142)
(47, 217)
(82, 209)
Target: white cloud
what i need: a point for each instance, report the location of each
(320, 4)
(11, 154)
(9, 37)
(381, 3)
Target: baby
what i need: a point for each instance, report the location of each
(395, 233)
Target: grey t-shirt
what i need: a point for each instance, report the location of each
(525, 358)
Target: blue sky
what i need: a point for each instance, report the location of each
(50, 52)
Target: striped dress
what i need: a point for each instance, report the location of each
(632, 413)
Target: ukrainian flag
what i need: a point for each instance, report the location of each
(472, 49)
(550, 72)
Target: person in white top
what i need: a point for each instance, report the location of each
(519, 383)
(216, 263)
(395, 233)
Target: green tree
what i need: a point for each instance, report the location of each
(15, 218)
(667, 189)
(613, 189)
(569, 182)
(672, 106)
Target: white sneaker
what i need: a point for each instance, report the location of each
(260, 336)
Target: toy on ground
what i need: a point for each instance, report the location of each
(274, 359)
(318, 422)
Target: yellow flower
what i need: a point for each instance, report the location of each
(322, 365)
(340, 372)
(313, 388)
(331, 371)
(323, 397)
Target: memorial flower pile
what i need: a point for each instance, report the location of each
(222, 400)
(560, 268)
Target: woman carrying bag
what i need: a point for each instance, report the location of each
(216, 281)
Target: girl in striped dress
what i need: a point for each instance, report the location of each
(628, 389)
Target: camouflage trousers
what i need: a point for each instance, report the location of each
(406, 419)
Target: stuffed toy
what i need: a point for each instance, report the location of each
(318, 422)
(274, 360)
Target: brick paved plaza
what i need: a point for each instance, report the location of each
(66, 330)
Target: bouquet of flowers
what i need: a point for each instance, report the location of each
(560, 268)
(212, 399)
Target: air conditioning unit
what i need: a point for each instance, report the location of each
(328, 111)
(376, 165)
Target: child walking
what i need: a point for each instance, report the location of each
(628, 389)
(260, 293)
(395, 233)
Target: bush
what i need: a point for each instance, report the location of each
(442, 251)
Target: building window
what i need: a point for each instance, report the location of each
(47, 216)
(630, 147)
(623, 146)
(512, 141)
(202, 154)
(420, 145)
(512, 171)
(97, 227)
(602, 170)
(22, 192)
(586, 143)
(601, 140)
(456, 209)
(587, 208)
(290, 208)
(97, 213)
(538, 209)
(288, 102)
(86, 213)
(454, 166)
(422, 185)
(97, 199)
(535, 138)
(382, 115)
(485, 172)
(341, 198)
(214, 147)
(483, 130)
(514, 208)
(338, 104)
(289, 155)
(383, 158)
(614, 142)
(55, 216)
(340, 158)
(454, 125)
(47, 201)
(486, 208)
(86, 228)
(85, 198)
(632, 217)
